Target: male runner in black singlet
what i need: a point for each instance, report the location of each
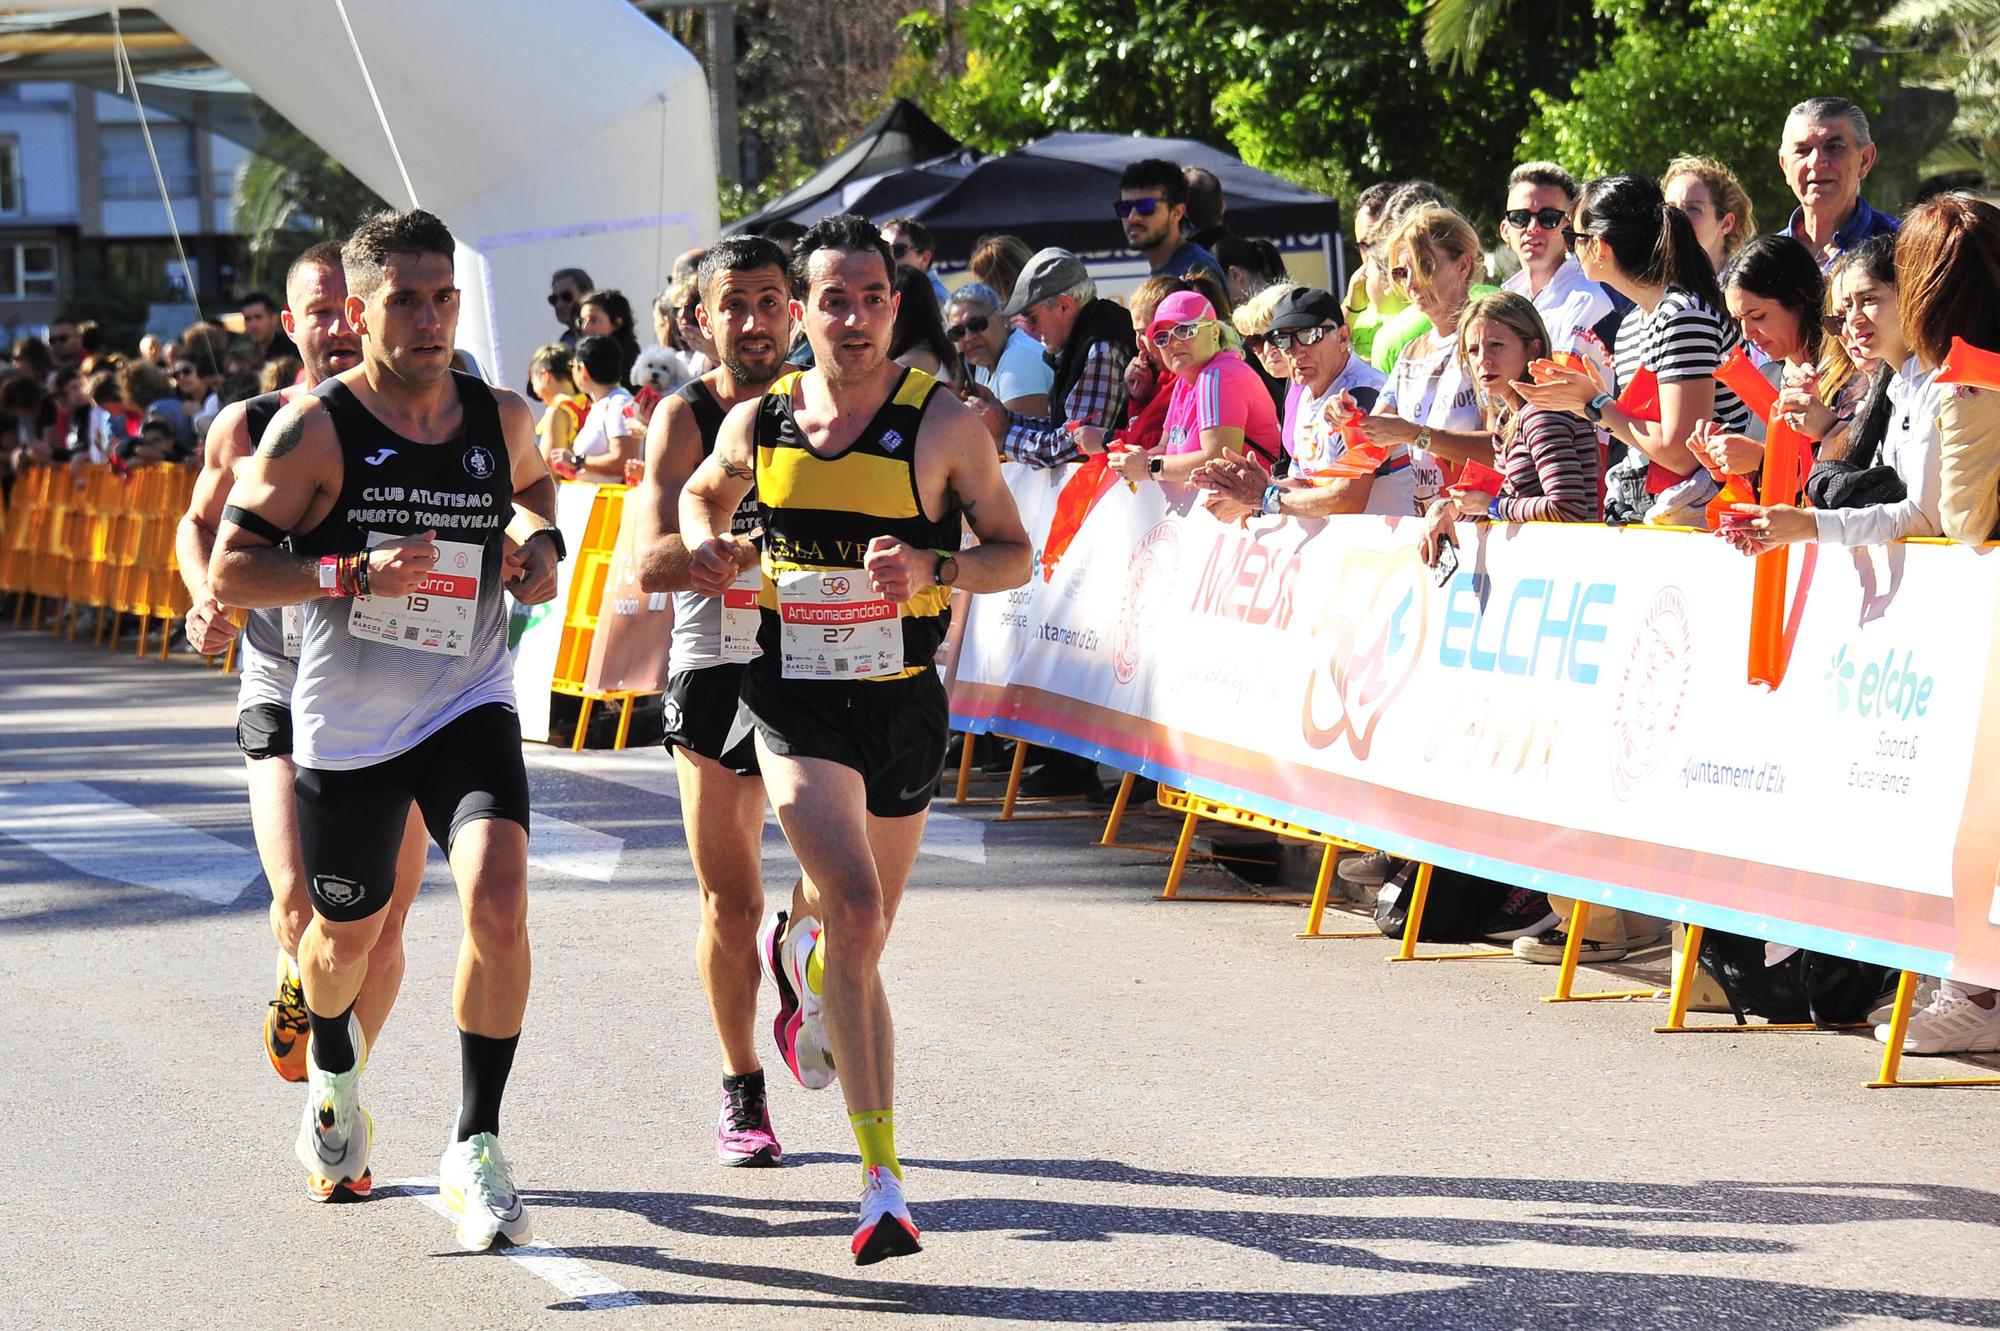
(315, 318)
(746, 307)
(863, 471)
(410, 494)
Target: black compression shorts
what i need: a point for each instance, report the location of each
(700, 709)
(891, 731)
(351, 822)
(264, 730)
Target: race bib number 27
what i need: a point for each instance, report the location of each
(437, 617)
(833, 625)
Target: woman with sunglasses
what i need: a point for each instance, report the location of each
(1860, 352)
(1218, 402)
(1676, 335)
(998, 357)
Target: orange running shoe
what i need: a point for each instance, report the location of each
(285, 1023)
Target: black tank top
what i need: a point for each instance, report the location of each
(369, 691)
(820, 513)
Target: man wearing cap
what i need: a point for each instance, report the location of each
(1307, 326)
(1089, 341)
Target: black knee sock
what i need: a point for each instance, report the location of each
(484, 1063)
(332, 1046)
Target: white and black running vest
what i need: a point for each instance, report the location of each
(361, 699)
(697, 640)
(268, 670)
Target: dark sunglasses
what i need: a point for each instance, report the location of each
(58, 339)
(1834, 324)
(978, 323)
(900, 249)
(1254, 343)
(1286, 338)
(184, 371)
(1126, 207)
(561, 298)
(1548, 219)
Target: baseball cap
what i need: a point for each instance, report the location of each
(1305, 307)
(1179, 308)
(1047, 273)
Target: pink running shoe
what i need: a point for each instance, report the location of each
(743, 1136)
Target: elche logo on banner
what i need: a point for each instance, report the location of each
(1890, 689)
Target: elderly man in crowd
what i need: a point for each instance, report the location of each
(1090, 343)
(1826, 153)
(1152, 206)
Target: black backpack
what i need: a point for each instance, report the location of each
(1458, 903)
(1804, 987)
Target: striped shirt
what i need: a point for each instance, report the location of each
(1550, 470)
(1682, 340)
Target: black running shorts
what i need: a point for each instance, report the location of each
(351, 822)
(891, 731)
(700, 709)
(264, 730)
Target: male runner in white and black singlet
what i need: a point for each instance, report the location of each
(863, 471)
(746, 307)
(409, 494)
(315, 318)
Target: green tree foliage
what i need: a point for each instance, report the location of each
(1719, 85)
(1956, 46)
(292, 195)
(1333, 93)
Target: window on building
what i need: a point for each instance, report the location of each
(128, 172)
(10, 178)
(27, 271)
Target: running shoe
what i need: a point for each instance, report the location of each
(743, 1136)
(1951, 1023)
(477, 1185)
(886, 1229)
(285, 1023)
(1884, 1012)
(336, 1134)
(1546, 949)
(1523, 914)
(800, 1026)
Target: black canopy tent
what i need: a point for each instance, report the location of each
(899, 138)
(1059, 191)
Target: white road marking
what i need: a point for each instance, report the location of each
(955, 837)
(571, 848)
(571, 1276)
(94, 833)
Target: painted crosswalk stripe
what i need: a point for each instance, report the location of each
(573, 849)
(97, 834)
(571, 1276)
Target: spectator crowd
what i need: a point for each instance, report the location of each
(1578, 371)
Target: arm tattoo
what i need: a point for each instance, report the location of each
(283, 438)
(736, 471)
(968, 507)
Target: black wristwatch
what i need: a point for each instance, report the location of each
(554, 534)
(1154, 463)
(947, 571)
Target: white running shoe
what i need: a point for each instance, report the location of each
(886, 1229)
(1951, 1023)
(478, 1185)
(1885, 1011)
(800, 1027)
(336, 1134)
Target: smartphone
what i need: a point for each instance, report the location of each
(1447, 563)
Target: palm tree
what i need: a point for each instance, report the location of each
(1455, 31)
(289, 195)
(1957, 48)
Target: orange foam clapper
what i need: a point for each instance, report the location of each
(1641, 398)
(1975, 367)
(1740, 377)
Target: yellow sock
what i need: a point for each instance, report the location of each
(875, 1131)
(816, 968)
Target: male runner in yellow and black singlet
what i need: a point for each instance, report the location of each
(865, 474)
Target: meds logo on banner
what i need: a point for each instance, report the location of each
(1367, 641)
(1651, 692)
(1885, 690)
(1154, 564)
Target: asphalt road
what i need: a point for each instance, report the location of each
(1114, 1112)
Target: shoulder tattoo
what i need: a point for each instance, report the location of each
(283, 437)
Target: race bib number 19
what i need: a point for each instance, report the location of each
(833, 625)
(437, 617)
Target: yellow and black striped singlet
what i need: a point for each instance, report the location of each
(820, 513)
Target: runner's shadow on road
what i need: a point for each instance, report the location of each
(1500, 1290)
